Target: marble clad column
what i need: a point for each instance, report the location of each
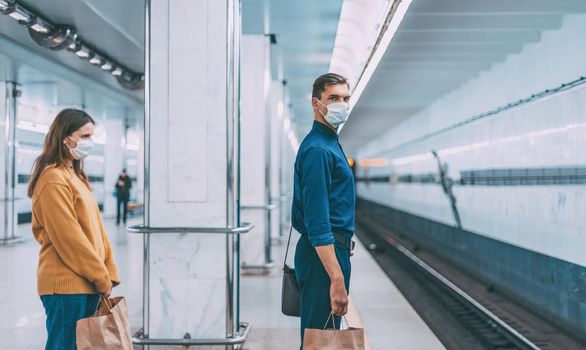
(188, 167)
(113, 154)
(288, 155)
(254, 99)
(277, 106)
(3, 188)
(8, 115)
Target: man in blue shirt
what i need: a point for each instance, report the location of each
(323, 208)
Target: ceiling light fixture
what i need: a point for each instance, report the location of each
(97, 60)
(84, 53)
(107, 66)
(5, 5)
(117, 72)
(60, 37)
(21, 15)
(40, 27)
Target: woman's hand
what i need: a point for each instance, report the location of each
(107, 293)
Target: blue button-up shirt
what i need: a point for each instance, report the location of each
(324, 196)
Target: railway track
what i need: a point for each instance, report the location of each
(463, 312)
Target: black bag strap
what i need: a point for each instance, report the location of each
(287, 250)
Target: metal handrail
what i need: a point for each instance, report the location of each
(139, 339)
(246, 227)
(8, 199)
(271, 206)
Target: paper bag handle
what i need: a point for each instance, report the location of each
(106, 302)
(331, 317)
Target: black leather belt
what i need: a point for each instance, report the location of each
(344, 241)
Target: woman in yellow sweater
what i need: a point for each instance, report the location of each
(75, 261)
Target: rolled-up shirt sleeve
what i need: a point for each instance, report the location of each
(316, 174)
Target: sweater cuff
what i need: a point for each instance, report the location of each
(113, 272)
(103, 285)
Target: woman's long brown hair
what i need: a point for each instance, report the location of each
(55, 152)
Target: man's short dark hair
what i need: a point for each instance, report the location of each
(319, 85)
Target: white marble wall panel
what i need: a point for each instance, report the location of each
(188, 86)
(550, 132)
(254, 102)
(3, 155)
(188, 161)
(188, 167)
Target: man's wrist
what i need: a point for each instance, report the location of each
(337, 278)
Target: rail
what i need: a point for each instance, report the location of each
(246, 227)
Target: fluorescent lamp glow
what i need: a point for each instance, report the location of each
(95, 158)
(117, 72)
(107, 66)
(21, 149)
(287, 124)
(37, 27)
(97, 60)
(83, 52)
(3, 5)
(100, 136)
(34, 127)
(132, 141)
(132, 146)
(20, 15)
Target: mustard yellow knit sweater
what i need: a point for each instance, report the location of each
(75, 256)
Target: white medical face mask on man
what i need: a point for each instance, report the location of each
(337, 113)
(82, 150)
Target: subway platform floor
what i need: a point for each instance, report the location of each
(377, 305)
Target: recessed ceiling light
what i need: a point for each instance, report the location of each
(107, 66)
(117, 72)
(40, 28)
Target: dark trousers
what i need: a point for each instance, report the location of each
(63, 311)
(122, 201)
(314, 284)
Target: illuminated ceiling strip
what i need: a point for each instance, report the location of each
(395, 16)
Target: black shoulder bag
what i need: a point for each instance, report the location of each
(290, 297)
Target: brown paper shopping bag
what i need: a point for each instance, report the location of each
(107, 329)
(333, 339)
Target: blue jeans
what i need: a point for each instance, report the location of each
(63, 311)
(314, 284)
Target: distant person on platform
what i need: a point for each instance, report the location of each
(323, 208)
(122, 195)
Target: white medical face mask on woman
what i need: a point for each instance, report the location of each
(82, 150)
(337, 113)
